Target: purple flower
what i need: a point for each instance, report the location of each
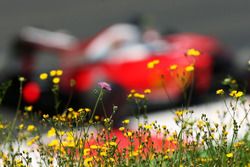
(105, 85)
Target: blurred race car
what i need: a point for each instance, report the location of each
(124, 57)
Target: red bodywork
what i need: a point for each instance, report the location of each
(134, 74)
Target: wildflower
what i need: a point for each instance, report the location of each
(133, 154)
(128, 134)
(193, 52)
(31, 128)
(220, 92)
(53, 143)
(229, 155)
(130, 95)
(147, 91)
(103, 153)
(126, 121)
(87, 110)
(166, 157)
(121, 129)
(52, 73)
(236, 94)
(233, 93)
(21, 79)
(105, 86)
(239, 144)
(200, 123)
(94, 147)
(164, 127)
(19, 163)
(43, 76)
(86, 151)
(45, 116)
(1, 126)
(59, 72)
(179, 113)
(173, 67)
(20, 127)
(139, 96)
(28, 108)
(140, 125)
(113, 143)
(152, 64)
(189, 68)
(132, 91)
(33, 140)
(239, 94)
(56, 80)
(97, 117)
(51, 132)
(87, 161)
(148, 127)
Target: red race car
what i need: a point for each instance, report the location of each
(124, 57)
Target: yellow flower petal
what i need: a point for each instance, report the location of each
(43, 76)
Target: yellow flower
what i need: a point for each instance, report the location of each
(94, 147)
(54, 142)
(236, 94)
(129, 134)
(130, 95)
(56, 80)
(126, 121)
(113, 143)
(173, 67)
(148, 127)
(239, 94)
(239, 144)
(52, 73)
(32, 141)
(138, 95)
(233, 93)
(2, 126)
(51, 132)
(132, 91)
(43, 76)
(229, 155)
(97, 117)
(152, 64)
(220, 92)
(193, 52)
(179, 113)
(133, 154)
(147, 91)
(31, 128)
(21, 79)
(189, 68)
(87, 110)
(20, 127)
(28, 108)
(86, 151)
(121, 129)
(59, 72)
(103, 153)
(45, 116)
(87, 161)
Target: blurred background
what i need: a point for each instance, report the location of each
(227, 20)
